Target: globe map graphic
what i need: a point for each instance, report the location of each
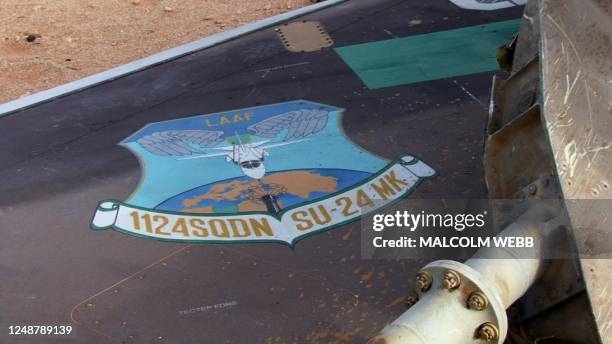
(242, 194)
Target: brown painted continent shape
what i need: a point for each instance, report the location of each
(218, 192)
(303, 183)
(298, 183)
(251, 206)
(201, 210)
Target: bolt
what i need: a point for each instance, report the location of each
(452, 280)
(411, 300)
(487, 331)
(423, 281)
(477, 301)
(533, 189)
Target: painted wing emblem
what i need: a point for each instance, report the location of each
(180, 142)
(301, 123)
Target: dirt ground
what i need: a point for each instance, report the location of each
(47, 43)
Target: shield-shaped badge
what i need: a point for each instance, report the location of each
(273, 173)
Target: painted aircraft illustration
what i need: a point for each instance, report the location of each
(197, 144)
(249, 156)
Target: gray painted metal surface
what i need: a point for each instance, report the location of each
(576, 80)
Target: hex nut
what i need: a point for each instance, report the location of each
(411, 299)
(487, 331)
(451, 280)
(424, 281)
(477, 301)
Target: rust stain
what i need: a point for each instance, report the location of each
(377, 340)
(396, 302)
(503, 286)
(323, 334)
(367, 276)
(347, 236)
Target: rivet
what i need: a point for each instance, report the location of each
(477, 301)
(451, 280)
(423, 281)
(532, 189)
(488, 331)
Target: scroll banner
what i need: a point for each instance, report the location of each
(395, 181)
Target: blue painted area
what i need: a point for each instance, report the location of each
(344, 179)
(165, 177)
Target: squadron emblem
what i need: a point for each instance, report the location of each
(275, 173)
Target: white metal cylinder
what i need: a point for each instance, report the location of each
(501, 274)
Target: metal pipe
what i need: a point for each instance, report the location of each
(465, 303)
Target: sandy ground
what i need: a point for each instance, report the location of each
(47, 43)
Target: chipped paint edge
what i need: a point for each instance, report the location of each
(23, 103)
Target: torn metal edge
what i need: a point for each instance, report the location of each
(150, 61)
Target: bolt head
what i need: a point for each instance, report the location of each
(424, 281)
(488, 331)
(533, 189)
(477, 301)
(411, 300)
(451, 280)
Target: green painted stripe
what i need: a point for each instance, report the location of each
(430, 56)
